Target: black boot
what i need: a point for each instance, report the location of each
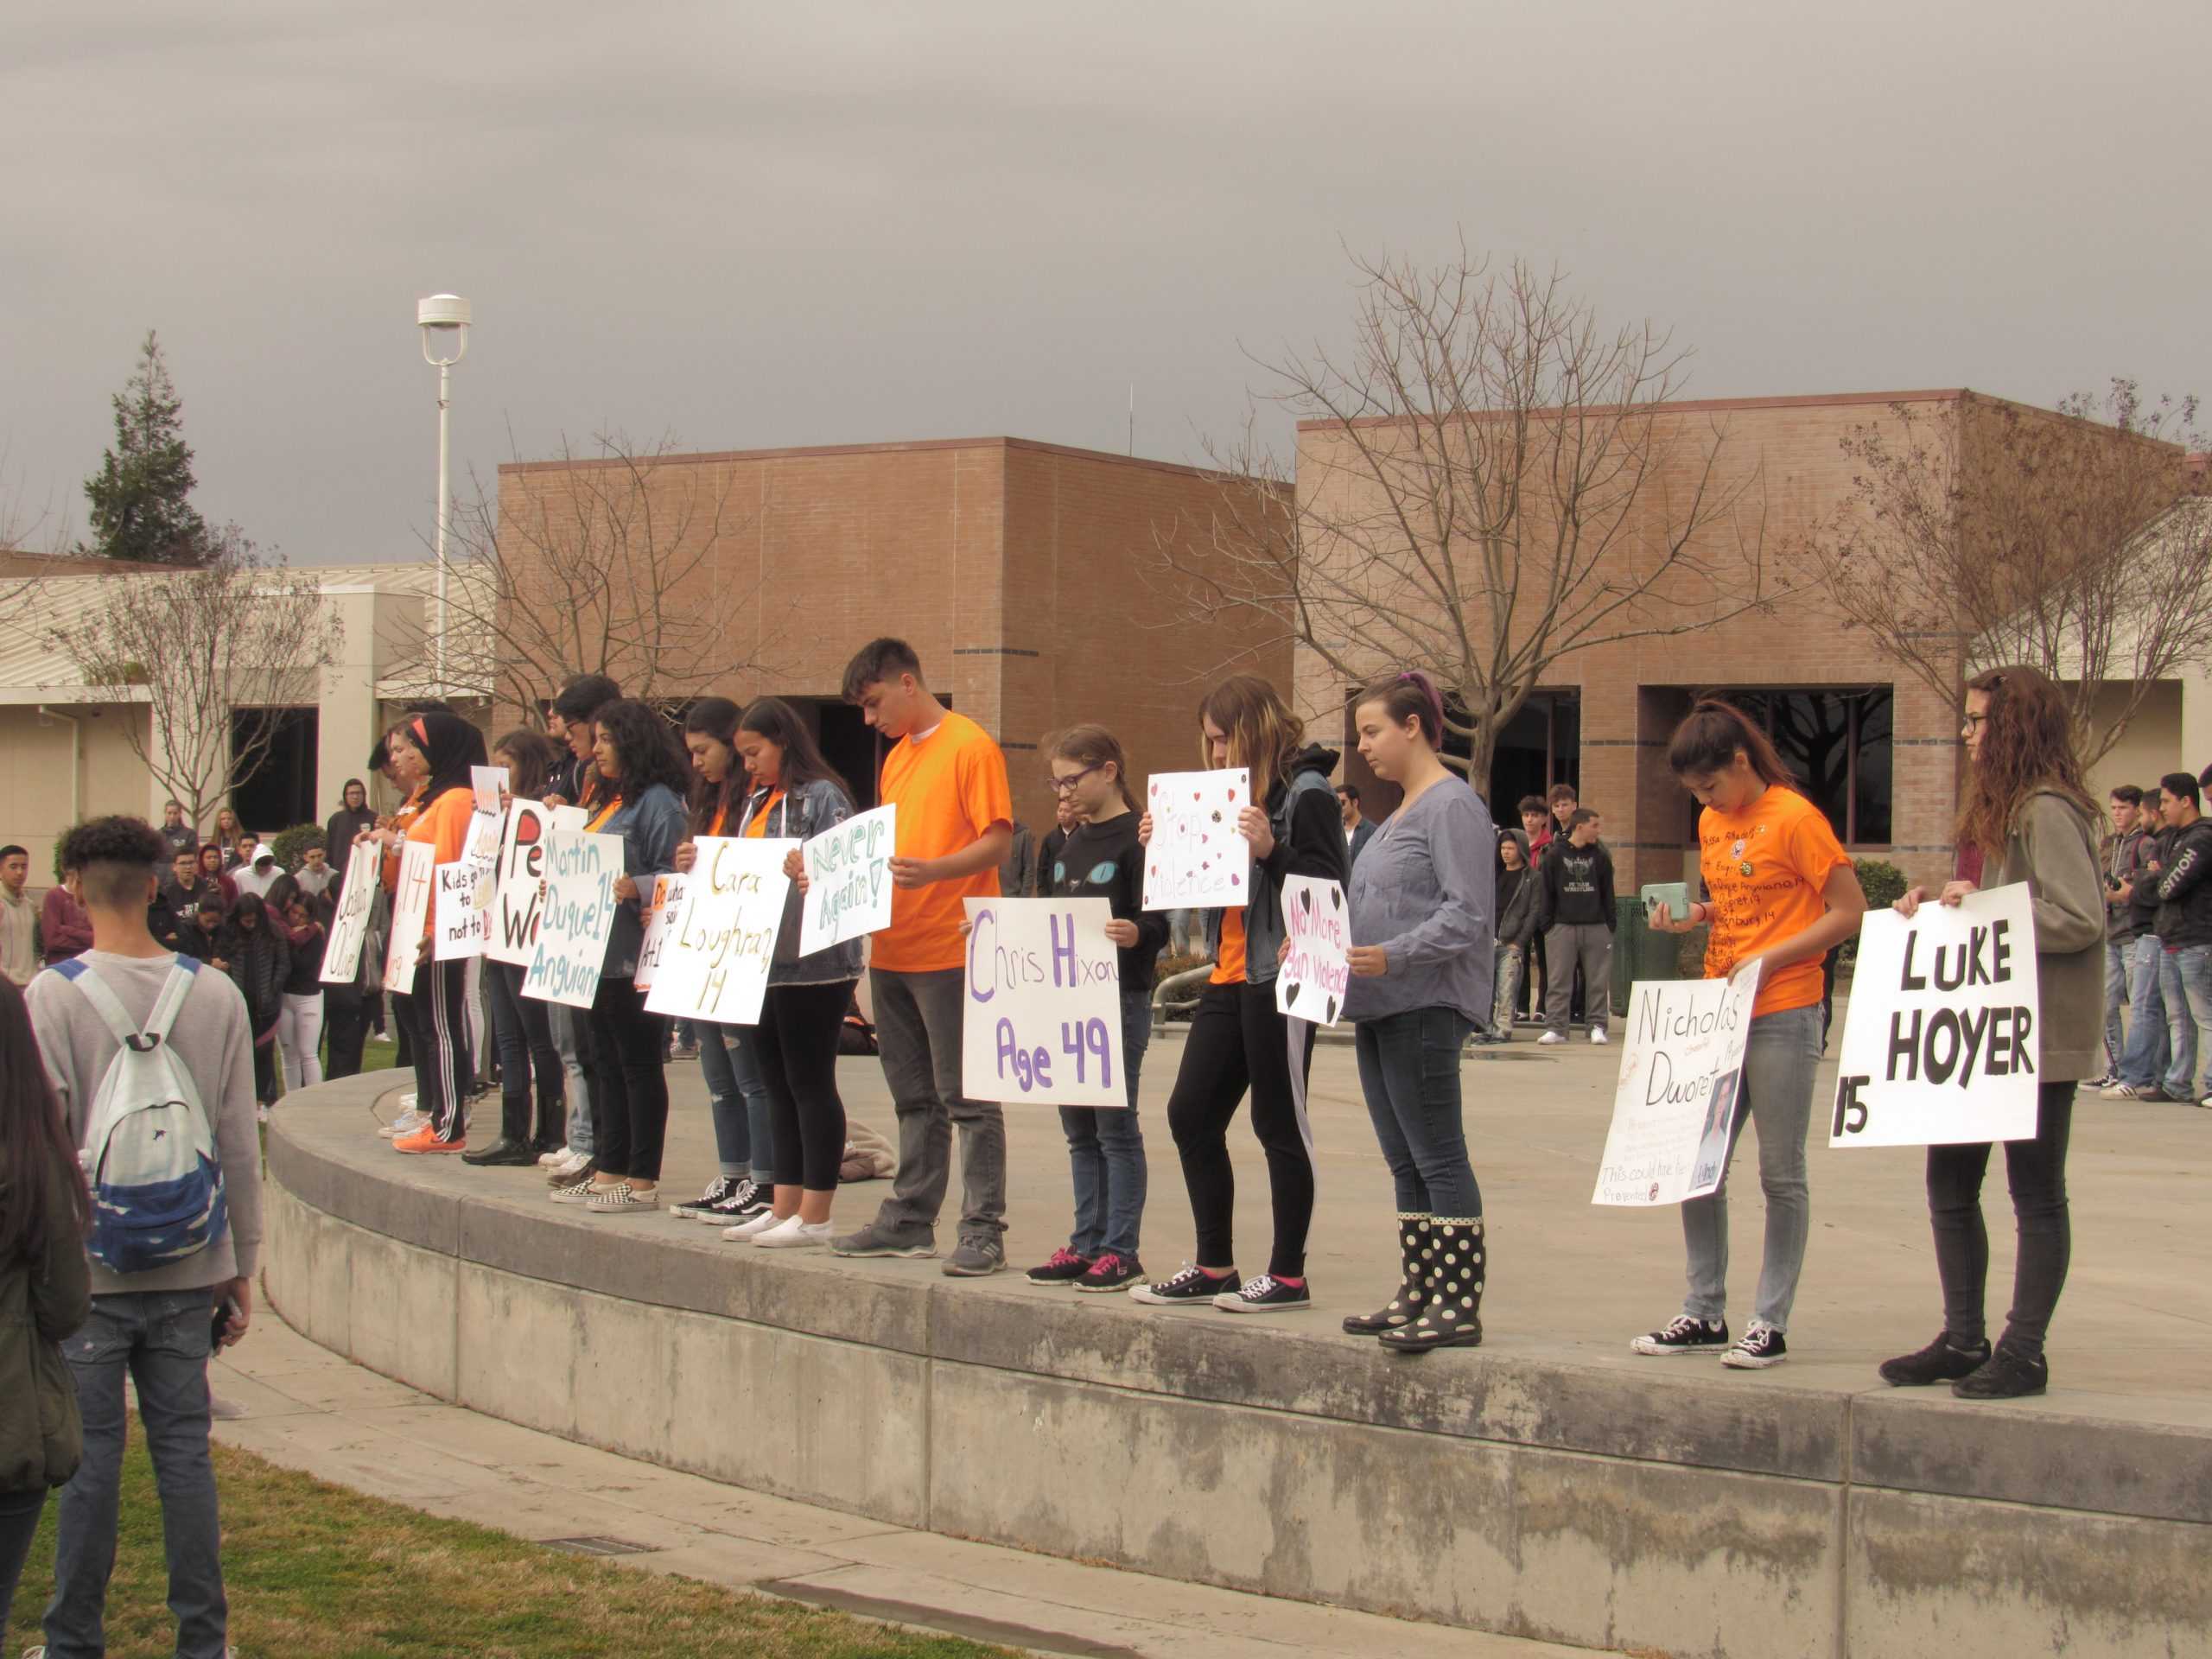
(501, 1152)
(1412, 1297)
(1453, 1317)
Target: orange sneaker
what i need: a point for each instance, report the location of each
(426, 1139)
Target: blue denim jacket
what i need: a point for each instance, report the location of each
(651, 828)
(803, 812)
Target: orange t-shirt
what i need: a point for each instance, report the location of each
(949, 788)
(1228, 964)
(606, 811)
(757, 829)
(1766, 867)
(444, 825)
(402, 821)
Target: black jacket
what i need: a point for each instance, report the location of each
(1576, 887)
(2184, 919)
(1102, 861)
(1517, 899)
(259, 963)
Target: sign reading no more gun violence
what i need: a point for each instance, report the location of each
(1940, 1041)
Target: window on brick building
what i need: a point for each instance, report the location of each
(1838, 743)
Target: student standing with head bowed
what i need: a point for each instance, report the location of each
(2028, 812)
(1783, 890)
(1098, 856)
(1237, 1041)
(1422, 906)
(797, 795)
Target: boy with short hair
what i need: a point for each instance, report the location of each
(1576, 916)
(947, 779)
(157, 1326)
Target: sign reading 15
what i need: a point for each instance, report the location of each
(1032, 1068)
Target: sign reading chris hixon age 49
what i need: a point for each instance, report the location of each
(1939, 1045)
(1681, 1075)
(1196, 860)
(1042, 1018)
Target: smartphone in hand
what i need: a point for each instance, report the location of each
(225, 1311)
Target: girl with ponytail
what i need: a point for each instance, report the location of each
(1422, 959)
(1781, 892)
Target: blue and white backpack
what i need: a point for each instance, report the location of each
(149, 1150)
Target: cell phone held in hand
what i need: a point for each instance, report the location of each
(1673, 896)
(225, 1311)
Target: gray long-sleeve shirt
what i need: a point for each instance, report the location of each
(1425, 890)
(215, 1042)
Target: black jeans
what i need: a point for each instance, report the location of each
(438, 1012)
(631, 1103)
(19, 1514)
(345, 1028)
(1409, 1072)
(796, 1042)
(522, 1028)
(2036, 1171)
(265, 1068)
(1237, 1042)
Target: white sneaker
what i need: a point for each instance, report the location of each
(405, 1124)
(795, 1235)
(2113, 1091)
(553, 1160)
(1598, 1036)
(1551, 1040)
(572, 1163)
(764, 1222)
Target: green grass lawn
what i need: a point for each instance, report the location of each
(316, 1572)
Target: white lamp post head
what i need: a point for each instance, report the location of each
(443, 318)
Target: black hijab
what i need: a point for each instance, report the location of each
(451, 745)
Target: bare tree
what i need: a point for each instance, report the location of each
(2073, 541)
(633, 562)
(1490, 482)
(240, 635)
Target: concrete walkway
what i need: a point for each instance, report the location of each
(302, 1407)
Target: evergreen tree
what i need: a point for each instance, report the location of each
(140, 495)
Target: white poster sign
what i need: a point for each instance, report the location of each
(411, 914)
(461, 925)
(1196, 859)
(1939, 1045)
(341, 953)
(1043, 1017)
(1681, 1075)
(1310, 985)
(848, 879)
(576, 917)
(517, 880)
(488, 783)
(722, 939)
(668, 895)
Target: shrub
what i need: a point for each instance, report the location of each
(291, 845)
(1884, 884)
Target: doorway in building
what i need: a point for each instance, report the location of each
(281, 793)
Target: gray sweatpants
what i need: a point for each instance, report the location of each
(918, 1035)
(1590, 943)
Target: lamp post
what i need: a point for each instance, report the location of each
(443, 318)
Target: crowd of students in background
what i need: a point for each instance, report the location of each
(2157, 965)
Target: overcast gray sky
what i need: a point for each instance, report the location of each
(834, 223)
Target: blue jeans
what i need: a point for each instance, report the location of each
(1779, 1060)
(2143, 1055)
(1106, 1152)
(161, 1339)
(1409, 1072)
(2185, 982)
(737, 1100)
(2117, 953)
(572, 1042)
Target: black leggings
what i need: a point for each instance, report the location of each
(522, 1034)
(346, 1026)
(1238, 1041)
(631, 1105)
(796, 1043)
(438, 1014)
(2036, 1171)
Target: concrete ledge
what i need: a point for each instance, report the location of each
(1609, 1504)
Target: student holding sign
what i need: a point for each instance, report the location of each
(1782, 892)
(2028, 812)
(796, 795)
(442, 748)
(1097, 857)
(1421, 960)
(947, 780)
(1237, 1040)
(639, 796)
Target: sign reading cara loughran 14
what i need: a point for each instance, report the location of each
(1940, 1044)
(721, 933)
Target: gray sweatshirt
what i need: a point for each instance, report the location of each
(213, 1040)
(1425, 890)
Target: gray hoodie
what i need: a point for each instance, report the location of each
(2052, 846)
(1423, 891)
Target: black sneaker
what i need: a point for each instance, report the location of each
(1065, 1268)
(1685, 1335)
(1265, 1294)
(717, 1189)
(744, 1200)
(1760, 1346)
(2007, 1374)
(1192, 1288)
(1111, 1272)
(1940, 1361)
